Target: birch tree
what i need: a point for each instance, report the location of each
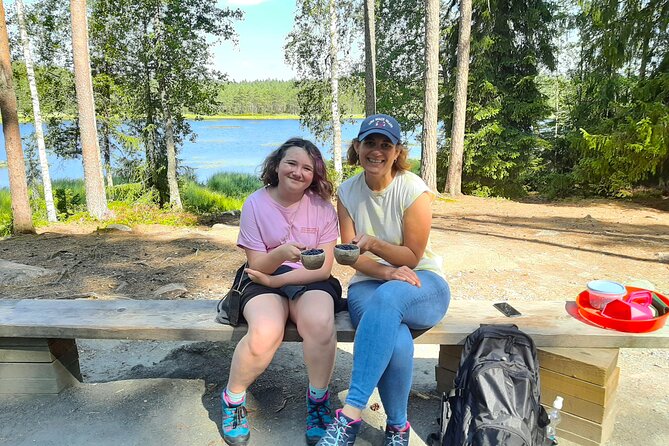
(454, 179)
(370, 57)
(18, 187)
(334, 82)
(37, 114)
(319, 50)
(96, 201)
(428, 159)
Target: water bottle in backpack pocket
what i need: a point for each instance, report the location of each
(496, 395)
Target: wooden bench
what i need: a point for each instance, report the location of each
(38, 352)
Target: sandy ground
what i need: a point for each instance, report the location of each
(150, 393)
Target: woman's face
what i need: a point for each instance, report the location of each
(295, 170)
(377, 154)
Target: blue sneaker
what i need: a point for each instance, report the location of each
(397, 438)
(235, 426)
(341, 432)
(318, 418)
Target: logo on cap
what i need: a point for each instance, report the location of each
(383, 124)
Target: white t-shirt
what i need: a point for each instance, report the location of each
(381, 214)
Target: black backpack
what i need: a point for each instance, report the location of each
(496, 394)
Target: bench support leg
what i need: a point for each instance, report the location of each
(38, 366)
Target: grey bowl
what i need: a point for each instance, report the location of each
(346, 254)
(311, 259)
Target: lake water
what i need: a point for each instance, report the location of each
(228, 145)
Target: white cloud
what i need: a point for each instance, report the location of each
(245, 2)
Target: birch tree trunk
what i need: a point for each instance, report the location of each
(334, 82)
(428, 159)
(370, 58)
(18, 188)
(96, 201)
(175, 198)
(454, 178)
(39, 134)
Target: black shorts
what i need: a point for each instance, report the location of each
(330, 286)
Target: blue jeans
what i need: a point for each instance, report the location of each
(383, 312)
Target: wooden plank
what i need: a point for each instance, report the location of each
(12, 370)
(29, 386)
(35, 350)
(26, 350)
(580, 407)
(577, 439)
(594, 365)
(579, 388)
(590, 400)
(551, 324)
(598, 432)
(53, 381)
(444, 379)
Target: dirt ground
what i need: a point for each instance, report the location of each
(493, 249)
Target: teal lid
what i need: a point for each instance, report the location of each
(606, 287)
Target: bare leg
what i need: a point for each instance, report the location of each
(313, 313)
(266, 315)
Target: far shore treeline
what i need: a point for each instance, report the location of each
(270, 99)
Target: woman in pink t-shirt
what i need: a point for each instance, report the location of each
(293, 212)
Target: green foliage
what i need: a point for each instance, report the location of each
(505, 106)
(148, 213)
(347, 170)
(200, 200)
(131, 193)
(67, 202)
(307, 51)
(400, 40)
(234, 185)
(621, 120)
(5, 213)
(558, 185)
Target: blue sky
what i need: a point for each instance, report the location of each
(261, 36)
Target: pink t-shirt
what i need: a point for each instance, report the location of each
(265, 224)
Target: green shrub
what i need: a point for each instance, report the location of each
(198, 199)
(5, 212)
(148, 213)
(131, 193)
(558, 185)
(235, 185)
(67, 202)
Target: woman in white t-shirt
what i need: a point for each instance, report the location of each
(398, 285)
(293, 212)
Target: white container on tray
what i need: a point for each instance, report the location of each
(601, 292)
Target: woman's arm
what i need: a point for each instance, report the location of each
(299, 276)
(416, 229)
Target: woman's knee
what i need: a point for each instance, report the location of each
(404, 346)
(317, 326)
(265, 337)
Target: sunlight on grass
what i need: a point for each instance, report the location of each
(199, 199)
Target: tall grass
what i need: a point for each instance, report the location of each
(201, 200)
(235, 185)
(5, 212)
(132, 203)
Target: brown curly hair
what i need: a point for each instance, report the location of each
(320, 184)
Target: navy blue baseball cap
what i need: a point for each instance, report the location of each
(382, 124)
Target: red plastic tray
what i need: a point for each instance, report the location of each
(631, 326)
